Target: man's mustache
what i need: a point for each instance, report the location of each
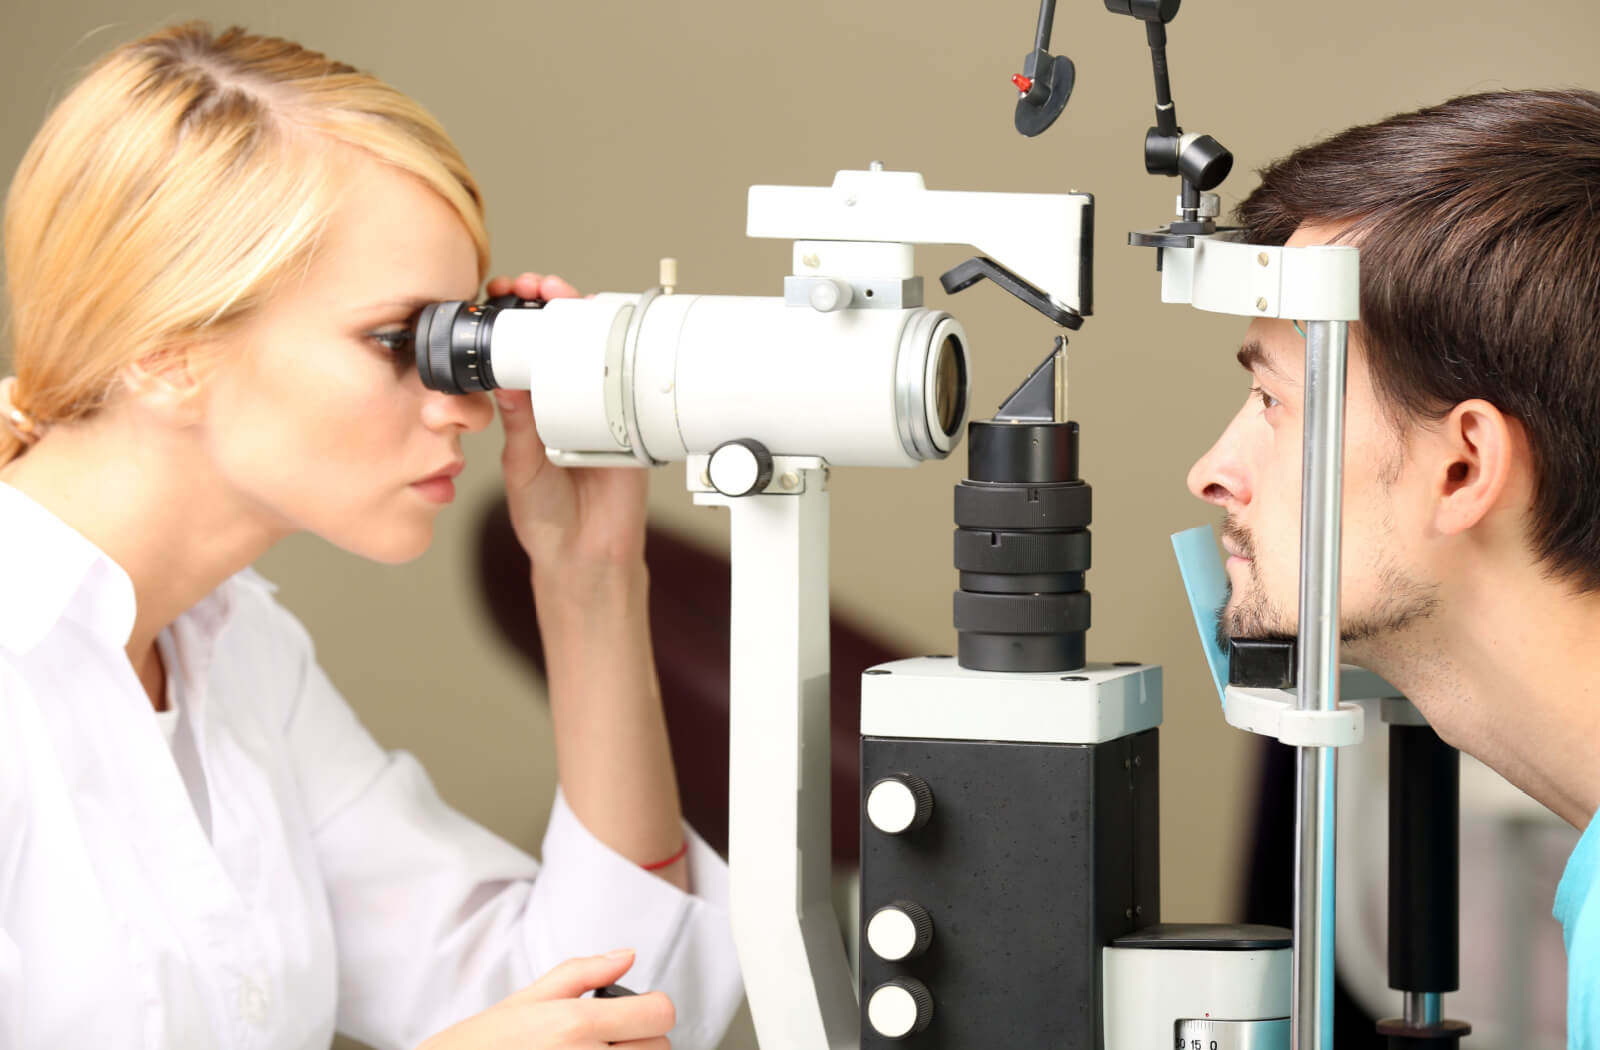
(1239, 537)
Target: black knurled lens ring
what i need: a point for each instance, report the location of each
(979, 550)
(1069, 505)
(440, 323)
(1021, 613)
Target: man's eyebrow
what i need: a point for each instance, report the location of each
(1253, 357)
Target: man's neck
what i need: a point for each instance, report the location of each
(1508, 671)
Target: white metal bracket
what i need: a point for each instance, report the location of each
(780, 857)
(1318, 282)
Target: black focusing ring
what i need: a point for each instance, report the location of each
(465, 330)
(981, 550)
(1002, 507)
(1021, 613)
(441, 325)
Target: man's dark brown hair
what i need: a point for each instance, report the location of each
(1479, 227)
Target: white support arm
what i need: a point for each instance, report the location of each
(780, 859)
(1041, 237)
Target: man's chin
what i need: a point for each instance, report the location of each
(1245, 621)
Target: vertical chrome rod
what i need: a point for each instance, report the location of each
(1321, 506)
(1423, 1008)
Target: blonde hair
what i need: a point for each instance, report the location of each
(177, 185)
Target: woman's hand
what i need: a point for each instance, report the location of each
(583, 529)
(576, 518)
(548, 1015)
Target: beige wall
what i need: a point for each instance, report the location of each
(607, 134)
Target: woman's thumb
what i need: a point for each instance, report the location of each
(576, 976)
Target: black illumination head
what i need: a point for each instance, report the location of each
(1203, 161)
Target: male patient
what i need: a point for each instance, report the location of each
(1471, 575)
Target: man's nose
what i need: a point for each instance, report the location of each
(1220, 476)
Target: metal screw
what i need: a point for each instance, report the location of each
(1261, 304)
(1263, 258)
(790, 480)
(705, 478)
(1128, 913)
(1126, 663)
(1074, 678)
(876, 165)
(810, 261)
(875, 670)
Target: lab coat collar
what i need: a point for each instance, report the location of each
(49, 572)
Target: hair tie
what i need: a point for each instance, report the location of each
(16, 420)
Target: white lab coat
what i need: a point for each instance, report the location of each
(271, 874)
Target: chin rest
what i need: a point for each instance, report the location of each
(689, 625)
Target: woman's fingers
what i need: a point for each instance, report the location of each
(632, 1018)
(530, 285)
(572, 978)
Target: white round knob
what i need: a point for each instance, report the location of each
(827, 296)
(900, 1008)
(740, 468)
(899, 931)
(899, 803)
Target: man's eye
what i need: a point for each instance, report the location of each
(1267, 400)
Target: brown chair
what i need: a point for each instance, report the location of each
(689, 622)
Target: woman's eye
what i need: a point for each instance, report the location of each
(1267, 400)
(400, 344)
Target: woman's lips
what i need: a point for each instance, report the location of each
(440, 487)
(437, 489)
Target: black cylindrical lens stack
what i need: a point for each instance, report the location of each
(1022, 548)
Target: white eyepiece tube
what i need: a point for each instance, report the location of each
(661, 377)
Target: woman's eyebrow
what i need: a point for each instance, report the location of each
(410, 303)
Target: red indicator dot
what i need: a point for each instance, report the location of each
(1024, 84)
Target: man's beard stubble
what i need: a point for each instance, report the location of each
(1403, 602)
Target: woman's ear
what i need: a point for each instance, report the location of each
(1477, 452)
(167, 384)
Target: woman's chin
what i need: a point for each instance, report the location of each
(393, 546)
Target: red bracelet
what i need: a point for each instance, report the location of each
(683, 851)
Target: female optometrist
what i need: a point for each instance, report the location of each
(209, 247)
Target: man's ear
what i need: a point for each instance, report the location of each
(1478, 449)
(166, 383)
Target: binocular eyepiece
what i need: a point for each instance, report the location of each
(454, 343)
